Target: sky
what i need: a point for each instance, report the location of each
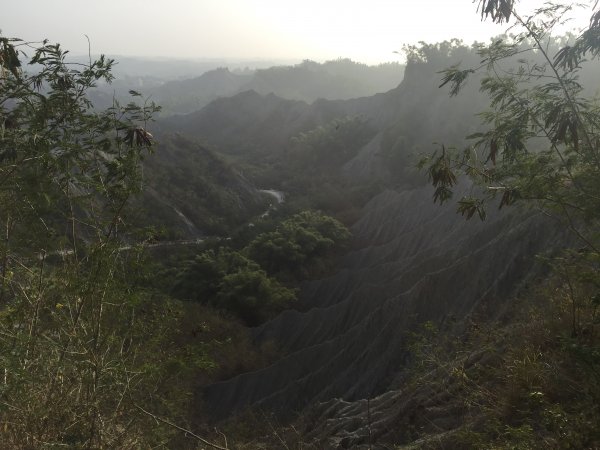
(368, 31)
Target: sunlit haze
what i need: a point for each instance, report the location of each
(365, 31)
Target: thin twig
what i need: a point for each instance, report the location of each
(369, 423)
(187, 432)
(275, 433)
(222, 434)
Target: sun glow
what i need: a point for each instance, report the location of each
(364, 31)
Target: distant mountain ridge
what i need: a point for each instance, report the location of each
(409, 119)
(307, 81)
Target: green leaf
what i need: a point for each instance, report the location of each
(468, 206)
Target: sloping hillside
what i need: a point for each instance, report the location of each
(182, 96)
(245, 122)
(191, 192)
(412, 261)
(421, 263)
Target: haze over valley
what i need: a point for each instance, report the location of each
(275, 225)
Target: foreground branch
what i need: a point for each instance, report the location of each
(204, 441)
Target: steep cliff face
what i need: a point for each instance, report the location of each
(420, 262)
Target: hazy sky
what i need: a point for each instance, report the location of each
(367, 30)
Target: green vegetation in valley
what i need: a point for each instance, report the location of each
(298, 244)
(91, 353)
(229, 280)
(257, 281)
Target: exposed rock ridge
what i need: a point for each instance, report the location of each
(424, 263)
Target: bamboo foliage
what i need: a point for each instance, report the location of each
(70, 359)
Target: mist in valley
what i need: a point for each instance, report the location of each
(323, 225)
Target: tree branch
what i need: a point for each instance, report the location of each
(188, 432)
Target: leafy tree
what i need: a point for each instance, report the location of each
(228, 280)
(242, 282)
(200, 278)
(298, 242)
(540, 145)
(71, 341)
(541, 140)
(253, 295)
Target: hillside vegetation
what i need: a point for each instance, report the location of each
(104, 330)
(153, 294)
(191, 192)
